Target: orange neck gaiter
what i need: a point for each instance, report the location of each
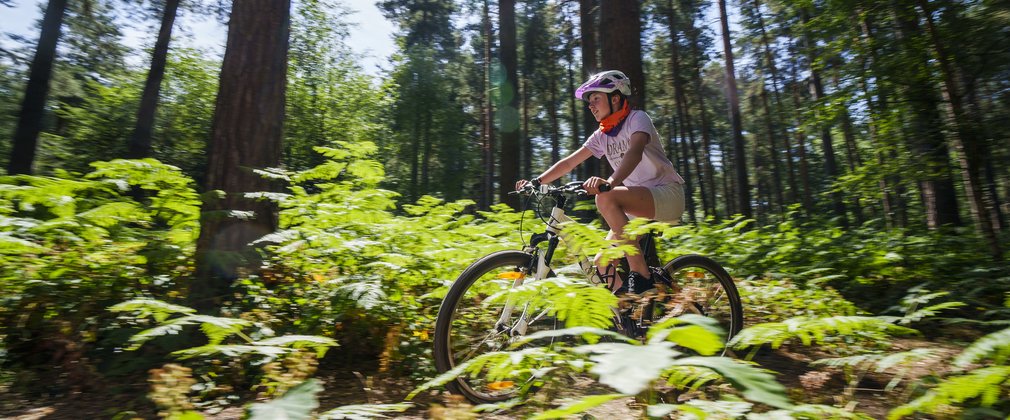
(613, 120)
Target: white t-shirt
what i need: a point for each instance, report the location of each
(654, 170)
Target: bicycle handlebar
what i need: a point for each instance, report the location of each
(574, 188)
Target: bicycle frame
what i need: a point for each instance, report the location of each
(541, 260)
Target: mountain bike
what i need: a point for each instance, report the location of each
(474, 319)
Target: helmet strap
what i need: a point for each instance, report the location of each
(610, 102)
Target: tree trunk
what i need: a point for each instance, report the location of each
(708, 170)
(573, 103)
(140, 141)
(926, 138)
(487, 193)
(791, 196)
(588, 25)
(552, 118)
(970, 151)
(245, 135)
(33, 106)
(509, 109)
(622, 45)
(732, 96)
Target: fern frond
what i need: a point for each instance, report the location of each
(699, 333)
(232, 350)
(151, 307)
(689, 377)
(581, 304)
(995, 346)
(578, 406)
(755, 384)
(572, 332)
(985, 384)
(364, 293)
(702, 409)
(587, 240)
(810, 412)
(10, 245)
(317, 343)
(929, 311)
(815, 330)
(364, 411)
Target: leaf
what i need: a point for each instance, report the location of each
(756, 384)
(702, 334)
(995, 346)
(296, 404)
(578, 406)
(983, 384)
(814, 330)
(629, 369)
(318, 343)
(574, 331)
(11, 245)
(364, 411)
(233, 350)
(151, 307)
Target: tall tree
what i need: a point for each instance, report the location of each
(140, 140)
(971, 152)
(487, 108)
(621, 48)
(508, 110)
(245, 136)
(588, 28)
(733, 98)
(29, 126)
(926, 134)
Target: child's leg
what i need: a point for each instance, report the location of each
(615, 206)
(608, 271)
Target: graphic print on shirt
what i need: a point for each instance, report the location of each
(616, 148)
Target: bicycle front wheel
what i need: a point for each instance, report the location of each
(700, 286)
(468, 326)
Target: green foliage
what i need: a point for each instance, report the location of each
(984, 386)
(296, 404)
(577, 407)
(363, 411)
(76, 245)
(817, 330)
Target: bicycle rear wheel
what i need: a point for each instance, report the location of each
(694, 284)
(468, 327)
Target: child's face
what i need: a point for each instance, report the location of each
(598, 105)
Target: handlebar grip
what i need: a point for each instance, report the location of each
(605, 188)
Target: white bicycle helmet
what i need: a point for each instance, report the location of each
(606, 82)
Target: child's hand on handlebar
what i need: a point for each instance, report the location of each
(596, 185)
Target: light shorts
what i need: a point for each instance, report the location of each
(669, 202)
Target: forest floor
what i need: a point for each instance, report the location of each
(866, 392)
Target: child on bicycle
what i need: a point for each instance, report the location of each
(644, 182)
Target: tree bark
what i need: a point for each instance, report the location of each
(926, 138)
(33, 106)
(622, 45)
(140, 141)
(970, 152)
(708, 170)
(509, 109)
(732, 96)
(487, 185)
(246, 135)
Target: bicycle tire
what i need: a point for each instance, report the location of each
(456, 322)
(694, 284)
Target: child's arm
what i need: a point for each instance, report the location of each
(631, 158)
